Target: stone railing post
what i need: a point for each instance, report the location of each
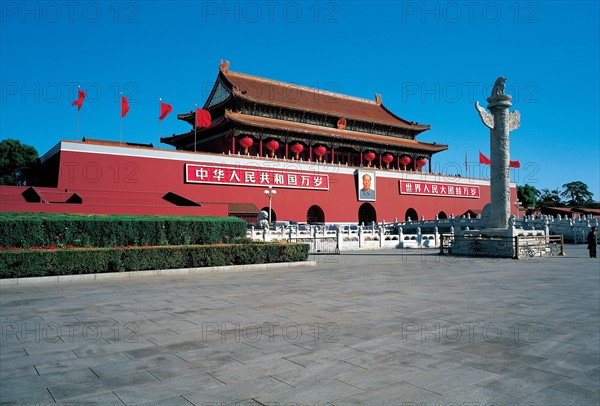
(361, 237)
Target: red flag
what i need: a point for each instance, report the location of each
(484, 159)
(165, 109)
(514, 164)
(203, 118)
(79, 101)
(124, 106)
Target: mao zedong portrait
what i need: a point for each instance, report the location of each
(367, 192)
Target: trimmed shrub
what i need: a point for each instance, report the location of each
(26, 230)
(72, 261)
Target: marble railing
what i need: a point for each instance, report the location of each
(419, 233)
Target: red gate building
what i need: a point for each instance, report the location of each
(331, 159)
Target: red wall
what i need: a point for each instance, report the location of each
(94, 174)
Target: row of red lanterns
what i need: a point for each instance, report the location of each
(388, 158)
(297, 149)
(273, 145)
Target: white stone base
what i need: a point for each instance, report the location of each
(501, 243)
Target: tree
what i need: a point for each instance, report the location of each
(528, 195)
(550, 198)
(577, 192)
(17, 162)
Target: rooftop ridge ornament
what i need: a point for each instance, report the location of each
(224, 65)
(501, 123)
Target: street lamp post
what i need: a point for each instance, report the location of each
(270, 192)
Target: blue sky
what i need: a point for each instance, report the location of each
(430, 61)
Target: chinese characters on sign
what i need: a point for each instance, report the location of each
(245, 176)
(439, 189)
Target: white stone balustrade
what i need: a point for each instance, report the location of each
(422, 233)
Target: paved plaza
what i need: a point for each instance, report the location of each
(389, 327)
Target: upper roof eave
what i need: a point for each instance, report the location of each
(332, 132)
(418, 128)
(344, 103)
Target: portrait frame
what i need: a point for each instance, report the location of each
(360, 186)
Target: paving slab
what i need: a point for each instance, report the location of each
(380, 327)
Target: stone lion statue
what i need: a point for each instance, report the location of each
(499, 86)
(263, 219)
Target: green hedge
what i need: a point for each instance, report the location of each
(72, 261)
(24, 230)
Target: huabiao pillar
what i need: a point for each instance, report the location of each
(501, 123)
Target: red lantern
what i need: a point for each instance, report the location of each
(320, 151)
(246, 143)
(405, 160)
(387, 158)
(297, 149)
(421, 162)
(369, 156)
(272, 146)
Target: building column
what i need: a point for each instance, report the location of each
(430, 164)
(310, 153)
(332, 155)
(232, 144)
(260, 148)
(286, 150)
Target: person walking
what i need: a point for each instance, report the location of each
(591, 241)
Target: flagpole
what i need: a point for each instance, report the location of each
(467, 161)
(121, 120)
(78, 108)
(195, 124)
(159, 120)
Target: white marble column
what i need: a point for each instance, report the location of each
(500, 122)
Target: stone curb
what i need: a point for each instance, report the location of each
(140, 274)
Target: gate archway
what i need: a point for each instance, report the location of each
(315, 215)
(367, 214)
(412, 214)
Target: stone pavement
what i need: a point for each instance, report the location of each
(390, 327)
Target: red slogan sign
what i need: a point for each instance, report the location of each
(226, 175)
(439, 189)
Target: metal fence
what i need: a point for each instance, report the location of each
(318, 244)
